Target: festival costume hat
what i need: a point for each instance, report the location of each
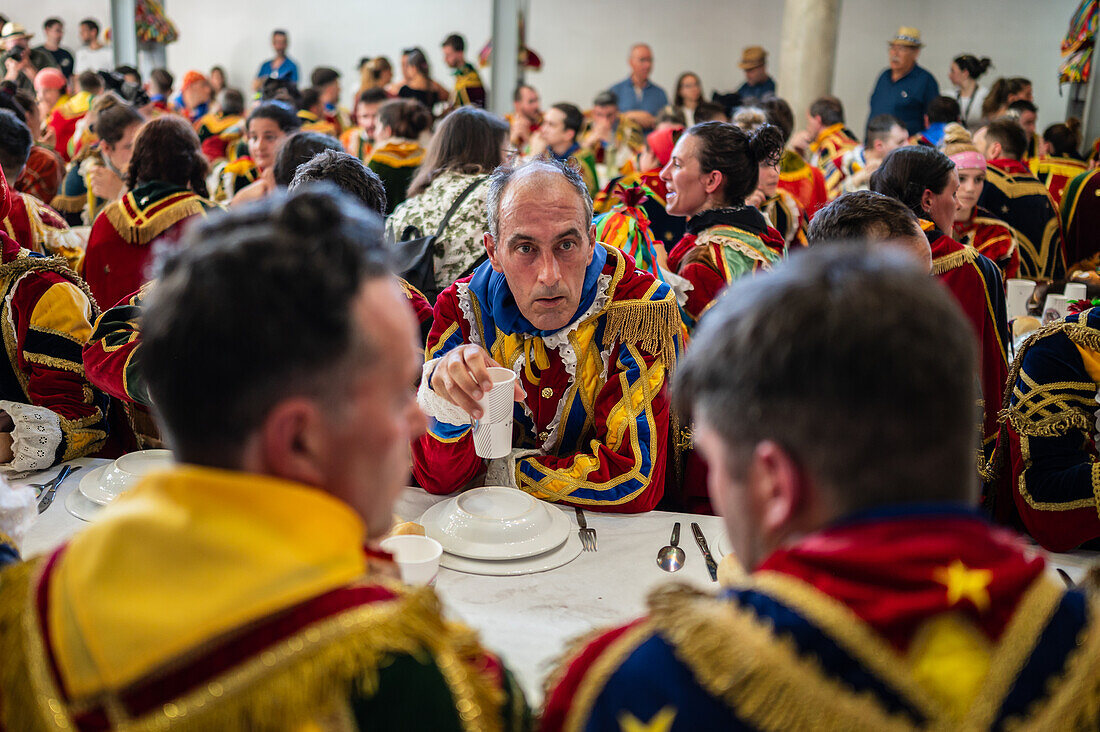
(907, 36)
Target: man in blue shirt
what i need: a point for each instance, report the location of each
(754, 62)
(280, 67)
(639, 98)
(904, 90)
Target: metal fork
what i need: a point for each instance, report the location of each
(588, 536)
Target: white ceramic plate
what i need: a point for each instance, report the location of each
(79, 505)
(433, 520)
(552, 559)
(121, 475)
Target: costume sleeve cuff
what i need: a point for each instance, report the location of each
(18, 510)
(436, 406)
(502, 471)
(35, 437)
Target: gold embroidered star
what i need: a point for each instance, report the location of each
(661, 722)
(963, 582)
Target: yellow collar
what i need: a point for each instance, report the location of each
(825, 134)
(185, 557)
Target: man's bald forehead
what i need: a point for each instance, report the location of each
(640, 46)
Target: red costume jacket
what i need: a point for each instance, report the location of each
(803, 181)
(992, 237)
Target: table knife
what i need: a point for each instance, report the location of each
(712, 566)
(51, 490)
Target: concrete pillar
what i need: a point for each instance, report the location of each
(505, 71)
(124, 32)
(807, 52)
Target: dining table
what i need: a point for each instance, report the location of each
(529, 620)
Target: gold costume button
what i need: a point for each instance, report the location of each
(547, 393)
(543, 435)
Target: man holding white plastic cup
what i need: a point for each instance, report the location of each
(590, 339)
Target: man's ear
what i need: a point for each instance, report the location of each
(994, 150)
(491, 250)
(293, 443)
(782, 491)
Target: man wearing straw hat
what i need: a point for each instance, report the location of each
(904, 89)
(754, 62)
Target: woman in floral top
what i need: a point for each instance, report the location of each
(468, 144)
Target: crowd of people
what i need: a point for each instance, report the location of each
(718, 305)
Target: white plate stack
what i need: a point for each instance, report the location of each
(501, 531)
(102, 485)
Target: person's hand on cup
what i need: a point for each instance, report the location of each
(462, 378)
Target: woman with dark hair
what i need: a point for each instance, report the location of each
(397, 152)
(713, 169)
(468, 144)
(217, 80)
(167, 180)
(97, 174)
(417, 82)
(251, 177)
(964, 73)
(803, 181)
(689, 92)
(1004, 92)
(1059, 161)
(926, 181)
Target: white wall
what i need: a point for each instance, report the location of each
(584, 43)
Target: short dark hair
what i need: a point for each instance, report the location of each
(822, 355)
(311, 97)
(375, 95)
(736, 154)
(1022, 105)
(162, 80)
(879, 127)
(468, 140)
(944, 109)
(605, 99)
(128, 70)
(1064, 138)
(862, 215)
(779, 114)
(517, 94)
(1010, 134)
(574, 117)
(323, 75)
(406, 117)
(456, 42)
(51, 22)
(279, 32)
(113, 117)
(90, 23)
(15, 145)
(167, 149)
(281, 90)
(278, 112)
(829, 109)
(906, 173)
(710, 112)
(242, 281)
(300, 148)
(346, 172)
(502, 176)
(89, 81)
(972, 65)
(231, 101)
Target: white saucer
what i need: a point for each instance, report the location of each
(90, 486)
(78, 504)
(553, 537)
(552, 559)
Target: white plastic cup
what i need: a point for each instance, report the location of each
(1054, 308)
(496, 403)
(493, 439)
(417, 557)
(1018, 294)
(1076, 291)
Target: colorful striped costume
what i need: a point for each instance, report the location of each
(827, 153)
(992, 237)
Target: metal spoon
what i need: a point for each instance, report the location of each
(671, 557)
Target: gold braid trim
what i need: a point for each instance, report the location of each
(308, 675)
(948, 262)
(69, 204)
(737, 658)
(1079, 334)
(651, 325)
(160, 222)
(22, 264)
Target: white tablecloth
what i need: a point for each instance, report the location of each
(529, 619)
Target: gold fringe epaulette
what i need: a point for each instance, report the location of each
(651, 324)
(69, 204)
(292, 682)
(948, 262)
(57, 264)
(143, 230)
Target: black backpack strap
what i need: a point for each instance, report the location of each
(454, 206)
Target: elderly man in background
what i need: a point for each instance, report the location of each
(638, 97)
(754, 62)
(591, 340)
(905, 89)
(834, 404)
(287, 468)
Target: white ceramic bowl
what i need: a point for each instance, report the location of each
(125, 473)
(495, 522)
(417, 557)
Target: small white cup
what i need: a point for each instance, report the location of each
(1054, 308)
(1076, 291)
(493, 440)
(496, 404)
(417, 557)
(1018, 293)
